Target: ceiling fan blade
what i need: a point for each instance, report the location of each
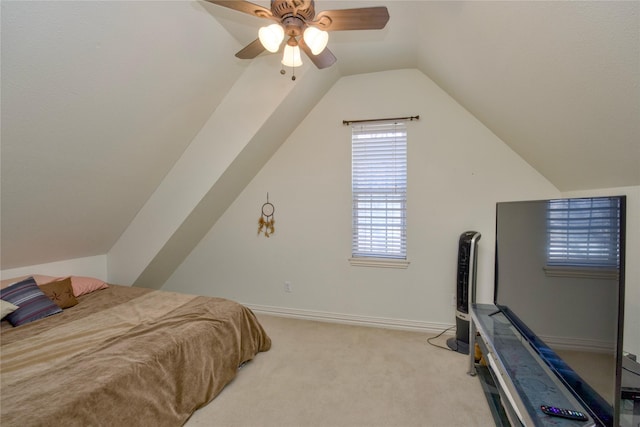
(365, 18)
(245, 7)
(322, 60)
(251, 50)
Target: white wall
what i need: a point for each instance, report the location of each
(231, 127)
(95, 266)
(457, 169)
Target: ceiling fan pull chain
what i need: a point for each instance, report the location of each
(293, 69)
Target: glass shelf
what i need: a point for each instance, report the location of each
(521, 374)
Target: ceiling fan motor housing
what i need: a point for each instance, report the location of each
(305, 9)
(293, 26)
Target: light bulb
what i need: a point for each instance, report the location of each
(316, 39)
(271, 37)
(291, 56)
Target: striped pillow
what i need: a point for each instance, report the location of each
(32, 302)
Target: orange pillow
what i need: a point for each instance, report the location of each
(85, 285)
(60, 292)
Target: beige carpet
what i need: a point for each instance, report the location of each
(324, 374)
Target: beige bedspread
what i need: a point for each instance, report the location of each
(124, 356)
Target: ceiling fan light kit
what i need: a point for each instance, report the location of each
(271, 37)
(306, 30)
(316, 39)
(291, 57)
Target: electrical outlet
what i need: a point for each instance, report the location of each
(453, 300)
(287, 286)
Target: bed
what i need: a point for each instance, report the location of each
(123, 356)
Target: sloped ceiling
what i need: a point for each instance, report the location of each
(99, 99)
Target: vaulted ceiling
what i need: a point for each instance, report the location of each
(99, 99)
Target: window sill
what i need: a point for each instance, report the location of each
(581, 272)
(379, 262)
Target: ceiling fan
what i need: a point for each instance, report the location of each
(304, 29)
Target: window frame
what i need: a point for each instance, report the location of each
(379, 194)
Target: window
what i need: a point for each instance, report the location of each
(584, 233)
(379, 191)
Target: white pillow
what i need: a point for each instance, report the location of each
(6, 308)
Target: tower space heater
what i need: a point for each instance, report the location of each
(465, 288)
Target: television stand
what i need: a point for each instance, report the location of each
(523, 379)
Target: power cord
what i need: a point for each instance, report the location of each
(438, 336)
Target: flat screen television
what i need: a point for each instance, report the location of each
(559, 278)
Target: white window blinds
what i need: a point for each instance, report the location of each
(583, 232)
(379, 190)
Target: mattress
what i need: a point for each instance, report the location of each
(124, 356)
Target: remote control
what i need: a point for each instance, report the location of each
(564, 413)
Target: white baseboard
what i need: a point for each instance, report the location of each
(350, 319)
(579, 344)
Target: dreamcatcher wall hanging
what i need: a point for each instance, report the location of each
(266, 222)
